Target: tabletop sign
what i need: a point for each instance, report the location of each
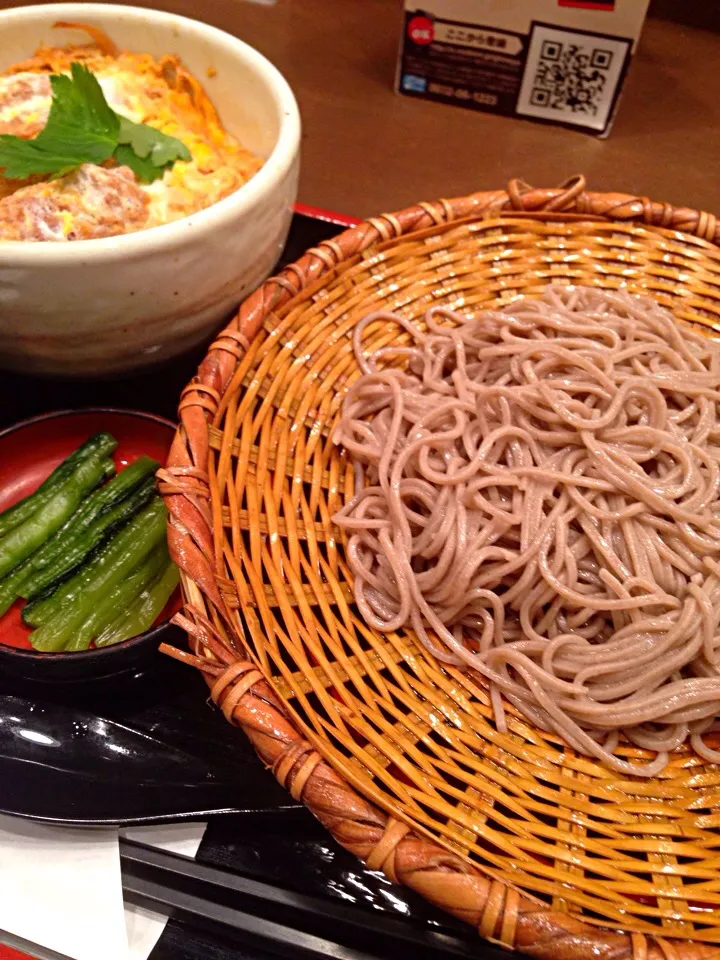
(556, 61)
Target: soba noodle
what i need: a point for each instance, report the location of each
(537, 498)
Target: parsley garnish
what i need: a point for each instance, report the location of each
(83, 128)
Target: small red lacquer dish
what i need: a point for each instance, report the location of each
(29, 452)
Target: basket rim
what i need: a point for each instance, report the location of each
(498, 911)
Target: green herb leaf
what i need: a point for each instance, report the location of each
(147, 142)
(22, 158)
(79, 104)
(142, 167)
(147, 151)
(83, 128)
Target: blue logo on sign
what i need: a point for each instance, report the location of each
(413, 83)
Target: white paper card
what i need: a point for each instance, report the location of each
(61, 888)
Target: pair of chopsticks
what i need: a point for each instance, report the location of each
(287, 923)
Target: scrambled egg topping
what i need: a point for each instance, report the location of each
(105, 201)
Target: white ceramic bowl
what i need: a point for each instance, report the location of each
(109, 306)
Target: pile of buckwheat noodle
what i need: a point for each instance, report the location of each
(537, 499)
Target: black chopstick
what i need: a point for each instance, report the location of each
(268, 933)
(183, 876)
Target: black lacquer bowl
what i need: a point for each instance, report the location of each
(29, 451)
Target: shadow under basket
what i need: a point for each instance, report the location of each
(539, 848)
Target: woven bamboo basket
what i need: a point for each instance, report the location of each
(539, 848)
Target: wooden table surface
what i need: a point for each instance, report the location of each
(367, 150)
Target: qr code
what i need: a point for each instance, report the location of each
(572, 77)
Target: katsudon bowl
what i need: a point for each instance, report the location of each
(116, 304)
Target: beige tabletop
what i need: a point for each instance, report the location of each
(367, 150)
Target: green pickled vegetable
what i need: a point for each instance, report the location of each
(120, 598)
(24, 509)
(143, 613)
(61, 614)
(23, 540)
(11, 585)
(51, 575)
(104, 510)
